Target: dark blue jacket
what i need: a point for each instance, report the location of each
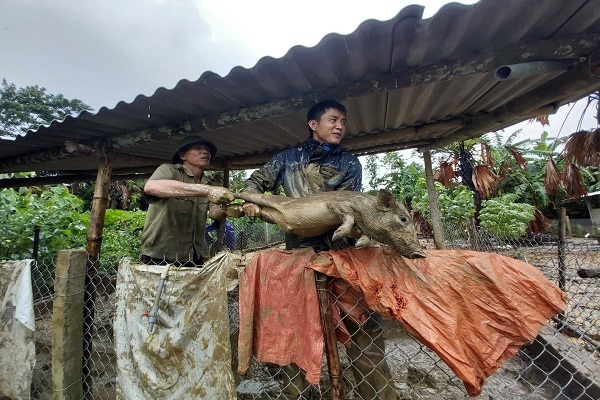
(309, 168)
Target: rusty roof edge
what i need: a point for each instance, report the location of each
(476, 64)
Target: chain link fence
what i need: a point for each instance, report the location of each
(563, 363)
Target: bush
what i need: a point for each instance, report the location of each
(504, 217)
(55, 211)
(121, 237)
(455, 202)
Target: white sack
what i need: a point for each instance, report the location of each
(188, 355)
(17, 323)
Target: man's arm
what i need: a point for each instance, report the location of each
(264, 179)
(353, 176)
(173, 188)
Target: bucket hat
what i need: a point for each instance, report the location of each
(189, 142)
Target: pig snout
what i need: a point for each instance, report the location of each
(407, 247)
(400, 233)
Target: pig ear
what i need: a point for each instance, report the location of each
(385, 199)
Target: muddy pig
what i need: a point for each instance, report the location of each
(354, 214)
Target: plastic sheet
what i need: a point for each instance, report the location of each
(279, 312)
(474, 309)
(188, 355)
(16, 329)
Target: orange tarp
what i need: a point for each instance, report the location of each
(279, 312)
(473, 309)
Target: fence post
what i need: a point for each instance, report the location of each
(331, 350)
(67, 325)
(36, 242)
(562, 280)
(562, 218)
(434, 207)
(93, 245)
(223, 222)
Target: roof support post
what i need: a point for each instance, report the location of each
(223, 222)
(434, 207)
(93, 244)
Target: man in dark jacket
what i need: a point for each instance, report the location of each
(320, 164)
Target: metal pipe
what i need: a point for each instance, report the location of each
(153, 315)
(514, 71)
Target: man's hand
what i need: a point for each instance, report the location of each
(251, 209)
(220, 195)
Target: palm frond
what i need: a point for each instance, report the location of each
(572, 181)
(552, 177)
(584, 147)
(540, 224)
(445, 173)
(484, 180)
(518, 156)
(512, 137)
(542, 119)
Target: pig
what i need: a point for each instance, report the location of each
(351, 214)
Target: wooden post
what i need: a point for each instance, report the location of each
(67, 325)
(562, 217)
(434, 207)
(562, 281)
(223, 222)
(36, 242)
(331, 349)
(93, 244)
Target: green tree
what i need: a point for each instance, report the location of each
(27, 108)
(392, 172)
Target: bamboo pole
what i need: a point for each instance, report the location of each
(223, 222)
(331, 349)
(434, 207)
(93, 244)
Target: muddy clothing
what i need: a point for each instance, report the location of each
(174, 228)
(312, 167)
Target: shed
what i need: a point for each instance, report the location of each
(407, 83)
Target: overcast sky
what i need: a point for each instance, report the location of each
(106, 51)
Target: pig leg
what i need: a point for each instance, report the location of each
(348, 228)
(363, 241)
(345, 229)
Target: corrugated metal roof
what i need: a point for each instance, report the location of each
(407, 82)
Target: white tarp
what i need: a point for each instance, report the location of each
(188, 354)
(17, 323)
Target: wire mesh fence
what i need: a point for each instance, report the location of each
(562, 363)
